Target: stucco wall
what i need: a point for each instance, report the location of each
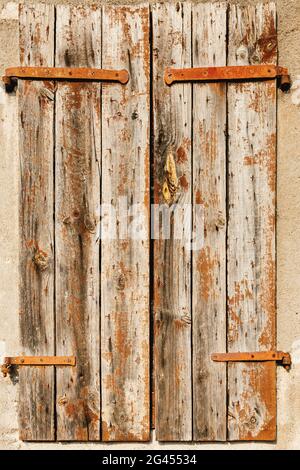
(288, 236)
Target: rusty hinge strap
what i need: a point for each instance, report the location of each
(37, 361)
(238, 72)
(63, 73)
(280, 357)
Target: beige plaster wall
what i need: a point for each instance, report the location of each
(288, 236)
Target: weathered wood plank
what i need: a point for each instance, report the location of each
(209, 191)
(125, 259)
(172, 256)
(36, 110)
(251, 225)
(77, 221)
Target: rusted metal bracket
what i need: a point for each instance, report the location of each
(282, 358)
(62, 73)
(244, 72)
(9, 362)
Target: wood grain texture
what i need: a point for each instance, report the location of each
(172, 257)
(36, 110)
(251, 225)
(77, 221)
(209, 191)
(125, 259)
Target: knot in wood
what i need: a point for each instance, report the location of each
(186, 318)
(41, 260)
(253, 420)
(62, 400)
(242, 55)
(47, 93)
(90, 224)
(170, 184)
(67, 220)
(121, 282)
(220, 220)
(5, 369)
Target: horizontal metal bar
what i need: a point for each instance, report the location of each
(257, 356)
(243, 72)
(41, 361)
(64, 73)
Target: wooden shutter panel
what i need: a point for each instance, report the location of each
(82, 144)
(221, 297)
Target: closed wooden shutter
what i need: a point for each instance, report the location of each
(110, 301)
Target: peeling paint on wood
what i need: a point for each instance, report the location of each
(172, 260)
(125, 348)
(209, 263)
(36, 111)
(77, 220)
(251, 225)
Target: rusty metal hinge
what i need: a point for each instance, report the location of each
(9, 362)
(238, 72)
(62, 73)
(282, 358)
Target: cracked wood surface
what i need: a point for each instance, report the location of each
(36, 114)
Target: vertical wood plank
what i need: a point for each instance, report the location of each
(36, 110)
(172, 256)
(125, 259)
(209, 191)
(77, 219)
(251, 225)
